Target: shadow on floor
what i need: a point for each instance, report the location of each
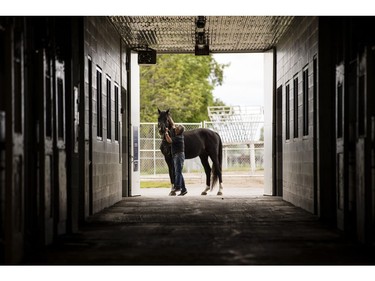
(204, 230)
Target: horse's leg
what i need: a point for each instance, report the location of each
(219, 175)
(217, 171)
(220, 192)
(207, 170)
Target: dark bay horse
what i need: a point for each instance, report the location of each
(202, 143)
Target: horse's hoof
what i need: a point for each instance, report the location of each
(172, 193)
(219, 193)
(204, 193)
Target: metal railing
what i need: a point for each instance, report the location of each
(245, 157)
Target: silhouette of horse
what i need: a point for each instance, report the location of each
(198, 142)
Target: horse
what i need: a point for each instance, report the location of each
(202, 143)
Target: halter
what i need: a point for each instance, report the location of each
(167, 123)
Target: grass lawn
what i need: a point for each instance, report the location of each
(155, 184)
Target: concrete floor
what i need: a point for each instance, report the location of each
(243, 227)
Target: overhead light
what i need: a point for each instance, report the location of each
(200, 40)
(202, 50)
(201, 44)
(201, 22)
(147, 56)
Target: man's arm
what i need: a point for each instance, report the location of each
(168, 138)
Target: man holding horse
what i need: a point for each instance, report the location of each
(202, 142)
(176, 138)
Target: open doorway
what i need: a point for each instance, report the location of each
(241, 97)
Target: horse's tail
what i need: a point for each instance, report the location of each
(217, 170)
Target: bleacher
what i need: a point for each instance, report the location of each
(237, 124)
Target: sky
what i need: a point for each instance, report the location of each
(243, 79)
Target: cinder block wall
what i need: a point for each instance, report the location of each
(295, 53)
(102, 44)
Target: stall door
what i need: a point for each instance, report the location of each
(341, 154)
(363, 147)
(14, 141)
(371, 107)
(2, 142)
(278, 189)
(59, 153)
(351, 115)
(45, 145)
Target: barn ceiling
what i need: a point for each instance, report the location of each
(222, 34)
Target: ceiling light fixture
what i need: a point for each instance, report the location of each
(146, 56)
(201, 40)
(201, 22)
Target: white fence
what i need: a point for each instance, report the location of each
(239, 158)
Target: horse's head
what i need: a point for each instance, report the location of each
(164, 121)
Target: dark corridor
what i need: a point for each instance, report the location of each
(212, 230)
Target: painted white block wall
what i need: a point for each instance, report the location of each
(135, 123)
(268, 111)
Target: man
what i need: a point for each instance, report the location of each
(176, 138)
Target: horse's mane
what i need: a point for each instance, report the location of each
(171, 121)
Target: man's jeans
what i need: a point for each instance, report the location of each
(178, 160)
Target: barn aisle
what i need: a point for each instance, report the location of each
(204, 230)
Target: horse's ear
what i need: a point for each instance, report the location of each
(167, 111)
(159, 111)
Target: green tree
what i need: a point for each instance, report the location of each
(181, 82)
